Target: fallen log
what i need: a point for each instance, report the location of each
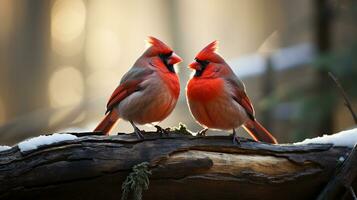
(182, 166)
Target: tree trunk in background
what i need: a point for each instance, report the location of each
(26, 67)
(267, 89)
(323, 43)
(183, 167)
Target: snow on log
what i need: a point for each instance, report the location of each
(3, 147)
(344, 138)
(34, 143)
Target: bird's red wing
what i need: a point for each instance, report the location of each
(244, 101)
(122, 91)
(241, 97)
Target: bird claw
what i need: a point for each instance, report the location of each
(236, 140)
(138, 134)
(202, 132)
(161, 131)
(137, 131)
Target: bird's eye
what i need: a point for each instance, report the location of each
(169, 54)
(166, 55)
(203, 63)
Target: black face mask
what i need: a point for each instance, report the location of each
(164, 58)
(203, 64)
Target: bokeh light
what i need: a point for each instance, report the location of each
(68, 19)
(103, 49)
(66, 87)
(103, 82)
(67, 23)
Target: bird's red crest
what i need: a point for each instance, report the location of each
(159, 45)
(209, 51)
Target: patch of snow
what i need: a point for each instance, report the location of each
(34, 143)
(344, 138)
(4, 148)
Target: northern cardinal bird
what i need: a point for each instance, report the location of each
(217, 97)
(148, 92)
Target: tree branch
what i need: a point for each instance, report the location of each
(344, 94)
(352, 193)
(182, 166)
(343, 178)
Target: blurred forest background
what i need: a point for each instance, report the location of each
(61, 59)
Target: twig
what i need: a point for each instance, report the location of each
(353, 193)
(342, 91)
(342, 179)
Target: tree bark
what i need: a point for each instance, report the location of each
(183, 167)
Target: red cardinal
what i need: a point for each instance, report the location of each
(148, 92)
(217, 97)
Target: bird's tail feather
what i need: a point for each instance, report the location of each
(107, 123)
(258, 132)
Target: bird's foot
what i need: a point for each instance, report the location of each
(236, 140)
(138, 133)
(202, 132)
(162, 131)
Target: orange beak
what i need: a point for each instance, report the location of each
(174, 58)
(195, 66)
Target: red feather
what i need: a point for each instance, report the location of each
(258, 132)
(121, 92)
(208, 52)
(159, 46)
(242, 98)
(107, 123)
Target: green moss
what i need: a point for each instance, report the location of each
(182, 129)
(136, 182)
